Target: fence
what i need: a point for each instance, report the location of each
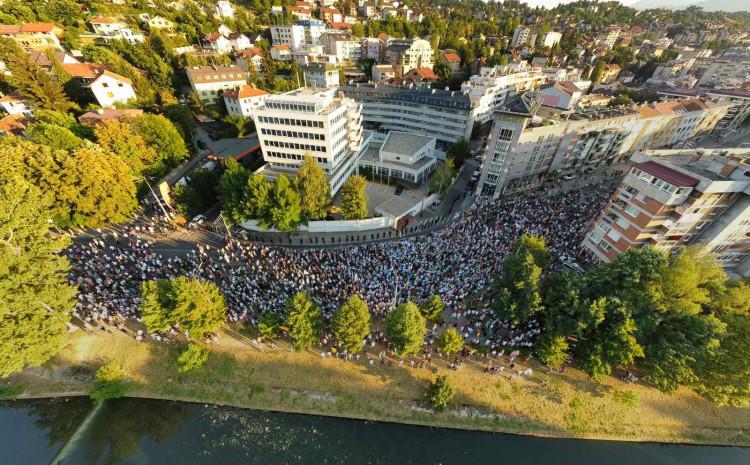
(368, 224)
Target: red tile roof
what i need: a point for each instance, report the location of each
(102, 20)
(667, 174)
(451, 57)
(245, 91)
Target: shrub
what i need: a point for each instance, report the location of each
(440, 393)
(109, 382)
(192, 358)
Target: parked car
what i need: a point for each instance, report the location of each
(399, 190)
(197, 221)
(568, 177)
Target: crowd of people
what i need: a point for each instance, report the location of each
(454, 263)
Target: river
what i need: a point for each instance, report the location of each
(152, 432)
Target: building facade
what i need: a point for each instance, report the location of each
(299, 34)
(523, 150)
(445, 115)
(243, 100)
(672, 198)
(311, 122)
(407, 54)
(209, 81)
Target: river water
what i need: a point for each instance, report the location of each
(150, 432)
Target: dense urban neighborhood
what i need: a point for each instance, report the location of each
(469, 214)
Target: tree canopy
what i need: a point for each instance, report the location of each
(314, 189)
(351, 324)
(304, 321)
(405, 328)
(353, 198)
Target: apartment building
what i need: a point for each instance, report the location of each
(372, 48)
(493, 87)
(299, 34)
(738, 98)
(407, 54)
(321, 75)
(609, 36)
(445, 115)
(315, 122)
(725, 73)
(344, 47)
(523, 149)
(209, 81)
(551, 39)
(671, 198)
(33, 36)
(520, 37)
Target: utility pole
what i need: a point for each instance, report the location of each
(156, 197)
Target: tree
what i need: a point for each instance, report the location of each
(121, 139)
(36, 298)
(54, 136)
(565, 312)
(90, 188)
(314, 189)
(458, 152)
(432, 308)
(518, 295)
(196, 307)
(285, 212)
(725, 376)
(238, 126)
(109, 383)
(30, 80)
(192, 358)
(405, 328)
(440, 393)
(256, 202)
(231, 191)
(351, 324)
(304, 321)
(552, 350)
(611, 342)
(450, 341)
(268, 326)
(353, 198)
(442, 69)
(535, 245)
(198, 195)
(442, 179)
(160, 134)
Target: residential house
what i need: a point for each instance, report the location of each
(243, 100)
(92, 118)
(107, 87)
(321, 75)
(223, 9)
(208, 82)
(14, 104)
(453, 60)
(281, 52)
(250, 57)
(610, 73)
(217, 42)
(239, 41)
(33, 36)
(331, 15)
(14, 125)
(406, 54)
(383, 72)
(420, 77)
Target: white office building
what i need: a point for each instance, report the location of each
(312, 122)
(520, 37)
(494, 86)
(400, 155)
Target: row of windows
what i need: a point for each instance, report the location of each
(291, 122)
(292, 156)
(295, 146)
(295, 134)
(656, 182)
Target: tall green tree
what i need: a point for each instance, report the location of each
(304, 321)
(121, 139)
(405, 328)
(314, 189)
(440, 393)
(518, 289)
(458, 152)
(351, 324)
(36, 299)
(353, 198)
(196, 307)
(31, 81)
(91, 188)
(256, 201)
(535, 245)
(54, 136)
(231, 191)
(441, 179)
(160, 134)
(450, 341)
(432, 308)
(285, 211)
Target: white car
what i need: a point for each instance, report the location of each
(197, 221)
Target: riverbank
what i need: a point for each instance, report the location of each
(239, 374)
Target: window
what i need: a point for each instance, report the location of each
(631, 210)
(623, 223)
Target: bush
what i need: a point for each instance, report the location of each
(109, 383)
(450, 341)
(440, 393)
(192, 358)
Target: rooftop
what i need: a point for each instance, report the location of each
(98, 116)
(404, 143)
(433, 97)
(668, 174)
(205, 74)
(244, 91)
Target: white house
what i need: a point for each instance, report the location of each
(561, 94)
(14, 104)
(224, 9)
(126, 34)
(208, 81)
(110, 88)
(281, 52)
(239, 41)
(217, 42)
(250, 57)
(321, 75)
(243, 100)
(383, 72)
(159, 22)
(106, 26)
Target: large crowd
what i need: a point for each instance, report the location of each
(454, 263)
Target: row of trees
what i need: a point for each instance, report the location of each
(675, 318)
(285, 204)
